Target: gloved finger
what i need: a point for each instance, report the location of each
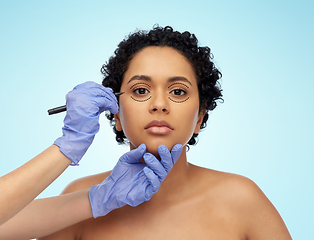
(100, 91)
(135, 155)
(104, 98)
(100, 97)
(152, 179)
(165, 157)
(169, 159)
(95, 90)
(154, 164)
(176, 152)
(106, 103)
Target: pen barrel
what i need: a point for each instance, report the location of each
(57, 110)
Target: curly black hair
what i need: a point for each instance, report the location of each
(200, 58)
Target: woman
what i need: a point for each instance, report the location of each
(170, 84)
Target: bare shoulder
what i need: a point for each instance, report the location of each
(240, 198)
(85, 182)
(238, 186)
(228, 186)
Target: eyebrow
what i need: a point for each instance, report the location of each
(179, 78)
(140, 77)
(148, 79)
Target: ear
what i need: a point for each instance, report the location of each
(118, 122)
(199, 120)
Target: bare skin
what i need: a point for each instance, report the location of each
(198, 203)
(22, 185)
(48, 215)
(39, 217)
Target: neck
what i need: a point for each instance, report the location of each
(175, 182)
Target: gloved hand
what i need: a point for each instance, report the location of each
(132, 182)
(84, 105)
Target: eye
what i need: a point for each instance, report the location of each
(140, 91)
(179, 92)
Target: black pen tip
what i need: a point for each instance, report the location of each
(118, 94)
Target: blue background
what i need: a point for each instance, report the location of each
(263, 130)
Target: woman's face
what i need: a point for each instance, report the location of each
(161, 102)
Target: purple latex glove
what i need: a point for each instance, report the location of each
(132, 182)
(84, 105)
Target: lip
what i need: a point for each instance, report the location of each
(159, 127)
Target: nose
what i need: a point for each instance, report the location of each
(159, 103)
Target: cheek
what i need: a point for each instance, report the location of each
(128, 116)
(191, 121)
(187, 117)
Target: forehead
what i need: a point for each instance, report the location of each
(159, 62)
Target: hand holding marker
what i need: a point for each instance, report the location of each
(84, 104)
